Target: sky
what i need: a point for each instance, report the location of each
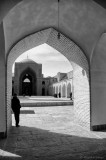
(52, 61)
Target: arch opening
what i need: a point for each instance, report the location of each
(69, 90)
(25, 82)
(26, 85)
(75, 56)
(64, 91)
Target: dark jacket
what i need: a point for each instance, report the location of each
(15, 105)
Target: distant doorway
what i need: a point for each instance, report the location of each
(27, 87)
(43, 91)
(27, 80)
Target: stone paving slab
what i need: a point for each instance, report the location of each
(51, 134)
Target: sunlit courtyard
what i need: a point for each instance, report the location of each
(50, 133)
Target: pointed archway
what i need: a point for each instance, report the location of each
(27, 82)
(75, 56)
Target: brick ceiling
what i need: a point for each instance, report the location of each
(101, 2)
(83, 21)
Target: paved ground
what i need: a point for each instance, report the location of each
(49, 133)
(44, 101)
(34, 99)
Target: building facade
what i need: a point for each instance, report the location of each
(64, 85)
(29, 80)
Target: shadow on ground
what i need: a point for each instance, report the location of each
(27, 112)
(27, 143)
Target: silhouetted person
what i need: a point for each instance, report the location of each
(15, 104)
(71, 96)
(59, 95)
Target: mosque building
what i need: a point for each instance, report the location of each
(28, 80)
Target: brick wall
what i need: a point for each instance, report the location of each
(9, 93)
(80, 86)
(81, 96)
(64, 87)
(76, 57)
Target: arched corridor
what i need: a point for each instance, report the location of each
(78, 33)
(77, 65)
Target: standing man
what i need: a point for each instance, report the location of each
(15, 105)
(59, 95)
(71, 96)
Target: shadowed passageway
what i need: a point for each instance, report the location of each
(49, 133)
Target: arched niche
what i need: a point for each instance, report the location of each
(69, 90)
(60, 88)
(64, 90)
(27, 88)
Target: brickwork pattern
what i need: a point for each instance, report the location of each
(81, 99)
(76, 57)
(79, 62)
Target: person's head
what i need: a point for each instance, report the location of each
(15, 95)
